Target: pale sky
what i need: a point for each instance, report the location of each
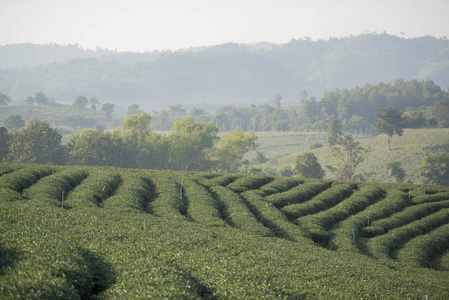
(139, 25)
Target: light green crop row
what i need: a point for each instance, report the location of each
(385, 246)
(237, 213)
(419, 251)
(298, 194)
(322, 201)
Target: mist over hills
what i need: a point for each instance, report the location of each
(227, 74)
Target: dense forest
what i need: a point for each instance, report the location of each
(228, 74)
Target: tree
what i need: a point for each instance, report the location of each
(390, 122)
(435, 167)
(108, 108)
(231, 148)
(93, 102)
(395, 170)
(96, 148)
(4, 141)
(14, 123)
(349, 154)
(38, 143)
(4, 100)
(334, 131)
(80, 102)
(188, 144)
(439, 111)
(29, 101)
(40, 98)
(307, 166)
(136, 132)
(133, 109)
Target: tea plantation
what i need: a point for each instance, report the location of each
(107, 233)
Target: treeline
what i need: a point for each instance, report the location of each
(423, 103)
(190, 146)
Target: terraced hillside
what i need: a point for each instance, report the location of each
(107, 233)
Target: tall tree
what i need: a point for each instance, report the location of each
(108, 108)
(80, 102)
(38, 143)
(439, 111)
(349, 155)
(307, 166)
(231, 148)
(93, 102)
(133, 109)
(435, 167)
(189, 142)
(390, 122)
(40, 98)
(4, 100)
(96, 148)
(395, 170)
(4, 142)
(334, 131)
(14, 123)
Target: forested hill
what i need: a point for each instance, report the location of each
(225, 74)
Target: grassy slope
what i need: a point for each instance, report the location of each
(409, 149)
(105, 248)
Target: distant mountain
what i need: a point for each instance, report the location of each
(227, 74)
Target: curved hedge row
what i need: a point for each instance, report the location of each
(322, 201)
(342, 233)
(431, 198)
(222, 180)
(54, 188)
(22, 178)
(298, 194)
(99, 185)
(249, 182)
(318, 224)
(280, 184)
(384, 246)
(168, 203)
(203, 208)
(404, 217)
(422, 250)
(272, 218)
(134, 193)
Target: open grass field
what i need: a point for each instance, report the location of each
(107, 233)
(409, 149)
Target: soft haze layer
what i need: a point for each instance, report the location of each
(138, 25)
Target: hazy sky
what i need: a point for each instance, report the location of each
(139, 25)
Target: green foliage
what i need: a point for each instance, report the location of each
(108, 108)
(96, 148)
(231, 149)
(80, 102)
(307, 165)
(439, 111)
(189, 142)
(4, 100)
(133, 109)
(349, 154)
(395, 170)
(334, 131)
(4, 142)
(390, 122)
(435, 167)
(40, 98)
(37, 143)
(14, 123)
